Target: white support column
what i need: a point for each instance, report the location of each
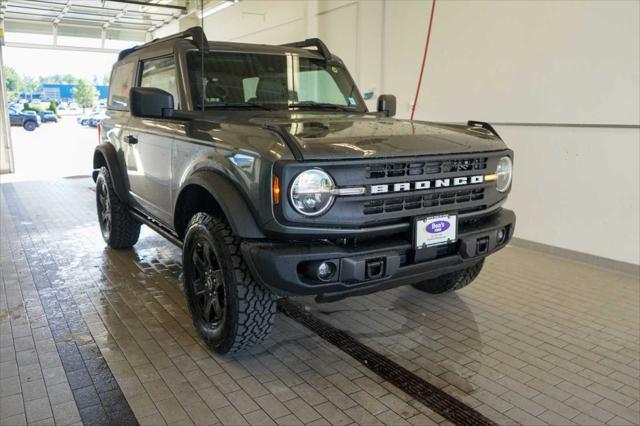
(312, 18)
(6, 150)
(55, 34)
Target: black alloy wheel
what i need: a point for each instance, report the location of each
(230, 310)
(104, 209)
(118, 228)
(208, 287)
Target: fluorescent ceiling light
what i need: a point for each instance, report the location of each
(217, 8)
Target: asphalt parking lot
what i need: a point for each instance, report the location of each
(53, 150)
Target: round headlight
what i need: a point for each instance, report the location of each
(311, 192)
(504, 172)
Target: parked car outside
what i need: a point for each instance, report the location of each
(96, 118)
(92, 119)
(85, 119)
(82, 120)
(34, 114)
(29, 120)
(48, 116)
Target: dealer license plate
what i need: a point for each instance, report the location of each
(435, 230)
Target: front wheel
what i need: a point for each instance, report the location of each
(229, 309)
(452, 281)
(29, 126)
(119, 229)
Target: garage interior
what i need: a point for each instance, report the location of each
(548, 334)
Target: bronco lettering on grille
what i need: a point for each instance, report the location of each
(426, 184)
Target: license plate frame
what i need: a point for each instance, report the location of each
(436, 230)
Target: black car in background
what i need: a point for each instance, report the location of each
(92, 119)
(29, 120)
(96, 119)
(48, 116)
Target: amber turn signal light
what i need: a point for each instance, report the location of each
(276, 190)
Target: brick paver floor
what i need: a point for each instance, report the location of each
(103, 336)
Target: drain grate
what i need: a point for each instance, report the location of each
(421, 390)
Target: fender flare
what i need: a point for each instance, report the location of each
(107, 152)
(229, 198)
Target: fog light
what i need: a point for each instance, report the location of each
(325, 271)
(502, 235)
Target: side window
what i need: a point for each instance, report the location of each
(161, 74)
(120, 85)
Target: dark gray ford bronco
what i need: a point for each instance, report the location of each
(264, 165)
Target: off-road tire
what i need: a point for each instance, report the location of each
(30, 125)
(452, 281)
(124, 230)
(249, 308)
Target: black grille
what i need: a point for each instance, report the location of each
(421, 201)
(418, 168)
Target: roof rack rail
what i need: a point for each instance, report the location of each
(196, 33)
(312, 42)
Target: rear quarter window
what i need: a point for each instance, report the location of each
(120, 85)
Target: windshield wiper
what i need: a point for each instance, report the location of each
(236, 105)
(323, 105)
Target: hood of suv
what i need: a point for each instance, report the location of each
(345, 136)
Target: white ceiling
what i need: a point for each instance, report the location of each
(115, 19)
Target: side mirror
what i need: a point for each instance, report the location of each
(150, 102)
(387, 105)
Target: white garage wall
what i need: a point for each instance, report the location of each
(269, 22)
(567, 63)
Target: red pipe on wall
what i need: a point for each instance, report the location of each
(424, 58)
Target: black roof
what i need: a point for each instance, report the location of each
(199, 39)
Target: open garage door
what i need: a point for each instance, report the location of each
(86, 26)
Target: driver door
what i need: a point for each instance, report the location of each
(150, 144)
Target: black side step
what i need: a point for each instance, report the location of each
(160, 229)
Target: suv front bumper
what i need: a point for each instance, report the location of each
(280, 265)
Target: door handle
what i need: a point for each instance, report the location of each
(131, 139)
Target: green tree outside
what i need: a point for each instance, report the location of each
(69, 79)
(30, 85)
(28, 107)
(53, 106)
(85, 94)
(13, 81)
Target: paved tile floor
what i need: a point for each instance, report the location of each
(93, 335)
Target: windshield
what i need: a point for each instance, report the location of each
(271, 81)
